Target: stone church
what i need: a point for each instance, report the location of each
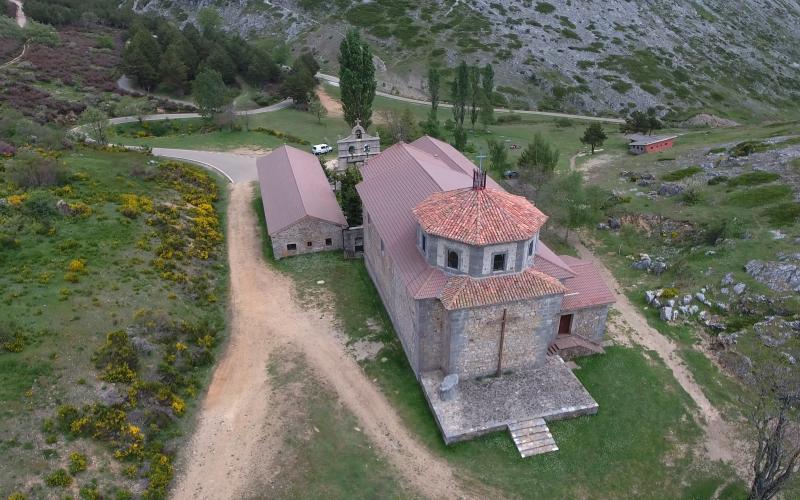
(487, 314)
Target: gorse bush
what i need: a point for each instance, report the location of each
(58, 479)
(78, 462)
(681, 174)
(33, 169)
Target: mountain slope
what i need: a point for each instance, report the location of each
(734, 57)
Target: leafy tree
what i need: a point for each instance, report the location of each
(174, 73)
(210, 92)
(95, 123)
(308, 63)
(219, 60)
(498, 155)
(460, 93)
(773, 415)
(399, 126)
(141, 57)
(539, 158)
(460, 138)
(316, 108)
(348, 196)
(300, 84)
(434, 82)
(642, 122)
(356, 79)
(487, 106)
(262, 68)
(487, 111)
(210, 21)
(594, 136)
(564, 199)
(474, 94)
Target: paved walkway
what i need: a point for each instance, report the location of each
(236, 168)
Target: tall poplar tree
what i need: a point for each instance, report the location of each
(474, 94)
(460, 92)
(356, 79)
(433, 89)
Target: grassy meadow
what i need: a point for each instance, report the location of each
(103, 313)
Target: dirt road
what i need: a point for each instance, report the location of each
(234, 437)
(721, 441)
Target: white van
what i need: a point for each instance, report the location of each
(321, 149)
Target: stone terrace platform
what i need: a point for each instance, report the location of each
(551, 392)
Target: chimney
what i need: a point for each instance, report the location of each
(478, 180)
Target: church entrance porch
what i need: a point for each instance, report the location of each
(489, 404)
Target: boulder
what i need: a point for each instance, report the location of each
(671, 303)
(739, 288)
(687, 299)
(669, 314)
(775, 331)
(726, 340)
(701, 297)
(670, 189)
(684, 310)
(722, 306)
(724, 291)
(602, 226)
(693, 309)
(644, 262)
(614, 223)
(791, 359)
(649, 296)
(63, 208)
(658, 267)
(727, 280)
(782, 276)
(656, 303)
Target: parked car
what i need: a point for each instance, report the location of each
(321, 149)
(510, 174)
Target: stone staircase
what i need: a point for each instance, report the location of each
(573, 346)
(532, 437)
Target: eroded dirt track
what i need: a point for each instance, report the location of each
(234, 443)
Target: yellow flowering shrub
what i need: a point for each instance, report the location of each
(16, 200)
(76, 266)
(178, 405)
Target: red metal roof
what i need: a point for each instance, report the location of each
(479, 216)
(463, 292)
(294, 186)
(548, 262)
(587, 288)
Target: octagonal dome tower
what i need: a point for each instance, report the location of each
(478, 231)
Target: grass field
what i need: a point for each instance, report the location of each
(63, 311)
(641, 443)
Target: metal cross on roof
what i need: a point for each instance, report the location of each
(480, 158)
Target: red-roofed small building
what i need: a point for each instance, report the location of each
(473, 293)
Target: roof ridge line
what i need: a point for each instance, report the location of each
(294, 177)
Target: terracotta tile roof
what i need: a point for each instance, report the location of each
(479, 216)
(587, 288)
(462, 292)
(394, 182)
(548, 262)
(294, 186)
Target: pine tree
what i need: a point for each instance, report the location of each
(219, 60)
(174, 74)
(539, 158)
(594, 136)
(356, 79)
(141, 57)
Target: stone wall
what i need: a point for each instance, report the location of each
(402, 308)
(590, 323)
(301, 233)
(473, 336)
(353, 242)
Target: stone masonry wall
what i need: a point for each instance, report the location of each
(399, 305)
(307, 229)
(590, 323)
(474, 336)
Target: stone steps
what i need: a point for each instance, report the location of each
(532, 437)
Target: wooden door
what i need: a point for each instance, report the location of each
(565, 324)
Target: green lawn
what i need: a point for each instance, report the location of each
(63, 319)
(640, 443)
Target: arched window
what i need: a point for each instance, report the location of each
(358, 134)
(351, 150)
(452, 259)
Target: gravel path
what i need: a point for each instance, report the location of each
(238, 434)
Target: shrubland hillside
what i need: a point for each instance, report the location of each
(732, 57)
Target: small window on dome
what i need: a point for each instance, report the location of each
(530, 248)
(452, 259)
(424, 243)
(499, 262)
(358, 134)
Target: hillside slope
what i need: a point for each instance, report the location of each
(734, 57)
